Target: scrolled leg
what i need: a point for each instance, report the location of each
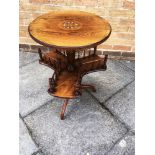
(63, 109)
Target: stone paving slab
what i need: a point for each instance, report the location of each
(125, 147)
(27, 57)
(33, 85)
(123, 105)
(110, 81)
(129, 64)
(87, 128)
(26, 144)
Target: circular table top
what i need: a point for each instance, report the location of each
(69, 29)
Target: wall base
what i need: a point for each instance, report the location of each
(118, 55)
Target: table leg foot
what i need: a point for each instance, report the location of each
(63, 109)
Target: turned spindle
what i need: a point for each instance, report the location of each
(40, 54)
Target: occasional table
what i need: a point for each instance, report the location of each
(74, 37)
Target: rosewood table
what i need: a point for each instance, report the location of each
(73, 36)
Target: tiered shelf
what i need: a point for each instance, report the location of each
(65, 83)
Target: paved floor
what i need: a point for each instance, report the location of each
(100, 123)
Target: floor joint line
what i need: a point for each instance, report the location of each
(102, 104)
(127, 66)
(117, 92)
(29, 132)
(48, 102)
(28, 63)
(117, 141)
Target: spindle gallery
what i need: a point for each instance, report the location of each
(74, 37)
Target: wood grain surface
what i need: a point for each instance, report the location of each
(65, 85)
(69, 29)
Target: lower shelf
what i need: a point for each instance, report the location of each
(65, 85)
